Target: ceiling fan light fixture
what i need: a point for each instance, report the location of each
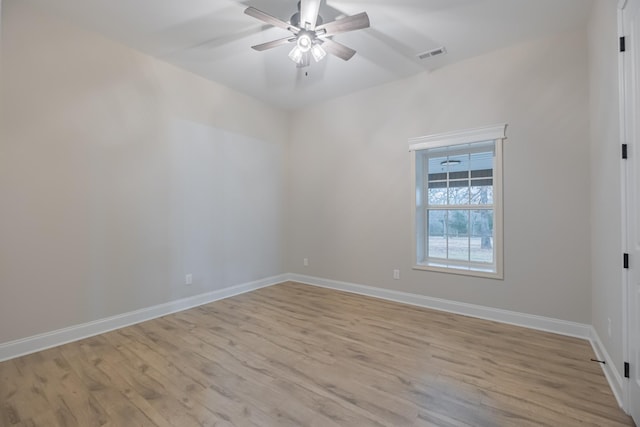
(296, 54)
(318, 52)
(304, 42)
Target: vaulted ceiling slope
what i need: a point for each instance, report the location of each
(212, 38)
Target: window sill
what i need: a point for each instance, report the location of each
(460, 270)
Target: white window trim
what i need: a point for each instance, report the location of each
(495, 133)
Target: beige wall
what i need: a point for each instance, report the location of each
(605, 179)
(350, 180)
(119, 174)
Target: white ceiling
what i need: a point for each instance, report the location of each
(212, 38)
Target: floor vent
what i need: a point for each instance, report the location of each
(433, 52)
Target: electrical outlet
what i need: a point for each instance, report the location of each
(396, 274)
(188, 279)
(305, 262)
(609, 326)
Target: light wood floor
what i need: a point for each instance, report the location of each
(295, 355)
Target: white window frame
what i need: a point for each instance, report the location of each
(496, 133)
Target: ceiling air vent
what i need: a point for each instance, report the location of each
(434, 52)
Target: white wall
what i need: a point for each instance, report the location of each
(350, 181)
(119, 174)
(606, 232)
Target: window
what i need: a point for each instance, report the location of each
(458, 202)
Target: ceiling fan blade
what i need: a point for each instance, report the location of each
(272, 44)
(271, 20)
(350, 23)
(337, 49)
(309, 10)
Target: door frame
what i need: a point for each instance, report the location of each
(623, 200)
(625, 111)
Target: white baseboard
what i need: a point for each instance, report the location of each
(610, 372)
(20, 347)
(548, 324)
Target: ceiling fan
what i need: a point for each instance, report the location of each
(311, 36)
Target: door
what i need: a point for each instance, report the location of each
(630, 115)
